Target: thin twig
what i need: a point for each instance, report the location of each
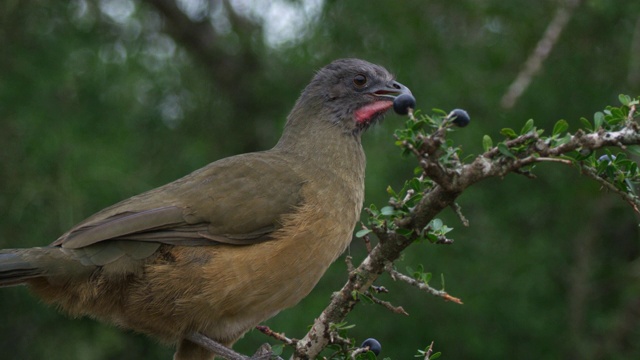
(458, 210)
(396, 275)
(359, 351)
(276, 335)
(388, 305)
(550, 159)
(631, 199)
(429, 352)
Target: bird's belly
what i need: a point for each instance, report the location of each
(265, 278)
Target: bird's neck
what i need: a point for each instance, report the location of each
(330, 161)
(323, 146)
(317, 140)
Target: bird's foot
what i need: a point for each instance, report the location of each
(264, 353)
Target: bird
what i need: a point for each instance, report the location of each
(227, 246)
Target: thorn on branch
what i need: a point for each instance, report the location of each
(408, 196)
(367, 243)
(335, 338)
(348, 260)
(632, 111)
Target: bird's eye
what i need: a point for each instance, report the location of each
(360, 80)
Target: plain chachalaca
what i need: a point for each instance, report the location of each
(230, 245)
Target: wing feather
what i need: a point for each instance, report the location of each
(233, 201)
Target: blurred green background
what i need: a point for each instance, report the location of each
(102, 100)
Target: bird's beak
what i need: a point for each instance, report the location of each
(390, 90)
(384, 96)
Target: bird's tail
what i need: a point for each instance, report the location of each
(15, 268)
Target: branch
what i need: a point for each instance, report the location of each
(201, 39)
(534, 63)
(412, 211)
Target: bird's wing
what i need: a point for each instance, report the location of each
(238, 200)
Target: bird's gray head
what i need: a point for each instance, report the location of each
(350, 93)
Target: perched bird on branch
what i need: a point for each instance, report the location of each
(230, 245)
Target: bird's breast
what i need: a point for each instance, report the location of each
(262, 279)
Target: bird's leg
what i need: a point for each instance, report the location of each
(263, 353)
(214, 346)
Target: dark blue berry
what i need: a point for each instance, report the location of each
(403, 102)
(373, 345)
(459, 117)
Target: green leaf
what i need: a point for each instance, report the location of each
(374, 210)
(634, 149)
(487, 143)
(598, 120)
(363, 232)
(435, 356)
(504, 150)
(560, 127)
(435, 224)
(563, 140)
(509, 133)
(624, 99)
(343, 325)
(277, 349)
(369, 355)
(427, 277)
(527, 127)
(405, 232)
(387, 211)
(586, 124)
(445, 229)
(365, 299)
(415, 184)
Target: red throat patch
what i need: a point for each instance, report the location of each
(367, 112)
